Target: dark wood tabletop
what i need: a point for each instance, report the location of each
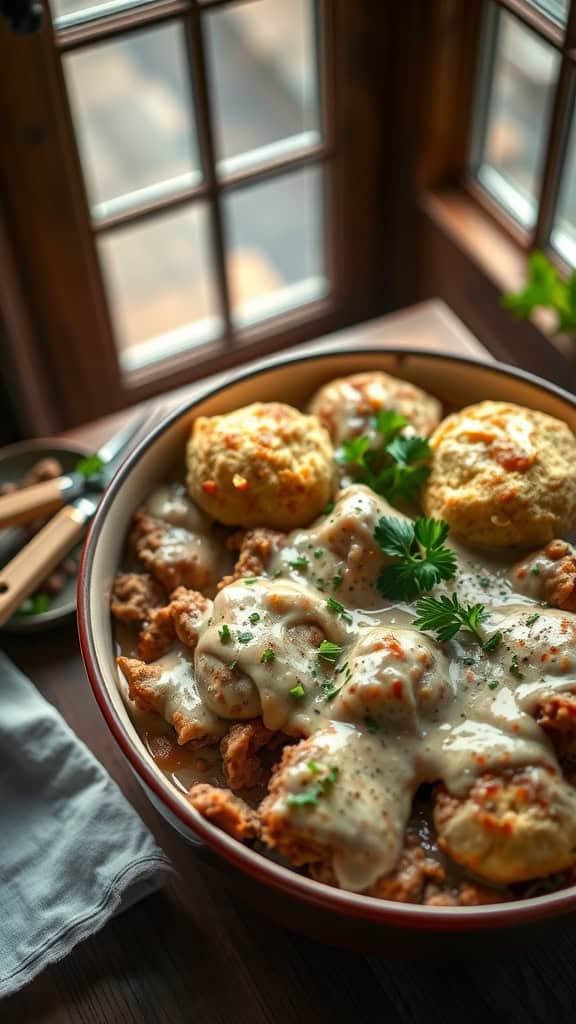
(193, 953)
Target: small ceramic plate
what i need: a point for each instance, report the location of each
(16, 460)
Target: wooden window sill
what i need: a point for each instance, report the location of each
(499, 257)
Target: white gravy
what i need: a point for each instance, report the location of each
(393, 709)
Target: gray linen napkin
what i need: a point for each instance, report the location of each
(73, 852)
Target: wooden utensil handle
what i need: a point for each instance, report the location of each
(35, 562)
(38, 500)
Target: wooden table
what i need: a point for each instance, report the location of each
(189, 953)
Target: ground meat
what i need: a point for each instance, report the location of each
(135, 596)
(256, 549)
(549, 575)
(157, 635)
(278, 830)
(226, 810)
(172, 694)
(239, 750)
(556, 714)
(467, 894)
(189, 610)
(176, 556)
(559, 587)
(405, 884)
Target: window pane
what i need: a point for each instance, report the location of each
(515, 111)
(264, 80)
(564, 230)
(556, 9)
(160, 286)
(276, 249)
(134, 121)
(76, 12)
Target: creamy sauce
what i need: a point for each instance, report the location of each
(189, 537)
(393, 709)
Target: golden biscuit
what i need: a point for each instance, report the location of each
(347, 405)
(502, 475)
(264, 465)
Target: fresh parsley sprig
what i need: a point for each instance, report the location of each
(446, 616)
(547, 289)
(424, 559)
(396, 467)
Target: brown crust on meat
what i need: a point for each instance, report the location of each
(224, 809)
(556, 714)
(135, 595)
(239, 750)
(256, 549)
(147, 537)
(139, 676)
(141, 679)
(276, 826)
(559, 588)
(188, 609)
(405, 884)
(157, 635)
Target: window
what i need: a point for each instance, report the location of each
(524, 144)
(193, 178)
(496, 167)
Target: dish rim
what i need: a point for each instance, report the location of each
(287, 880)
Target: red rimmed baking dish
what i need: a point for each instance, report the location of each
(319, 910)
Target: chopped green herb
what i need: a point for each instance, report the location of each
(340, 610)
(424, 560)
(232, 665)
(318, 552)
(89, 467)
(276, 574)
(535, 570)
(225, 634)
(244, 638)
(329, 651)
(329, 508)
(254, 618)
(337, 580)
(371, 723)
(36, 605)
(493, 684)
(251, 579)
(330, 691)
(532, 619)
(492, 642)
(515, 668)
(343, 668)
(267, 656)
(320, 787)
(297, 691)
(320, 583)
(299, 563)
(308, 796)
